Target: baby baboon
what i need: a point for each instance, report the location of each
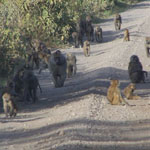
(114, 94)
(135, 70)
(86, 48)
(147, 46)
(71, 65)
(117, 21)
(58, 66)
(98, 34)
(128, 92)
(30, 85)
(126, 35)
(9, 106)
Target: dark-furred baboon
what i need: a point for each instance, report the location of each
(135, 70)
(9, 106)
(117, 21)
(57, 67)
(114, 94)
(98, 34)
(71, 64)
(86, 48)
(126, 35)
(128, 92)
(78, 39)
(147, 46)
(30, 85)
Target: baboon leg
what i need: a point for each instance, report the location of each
(34, 95)
(6, 111)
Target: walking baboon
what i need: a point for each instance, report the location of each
(128, 92)
(147, 46)
(114, 94)
(126, 35)
(71, 65)
(9, 106)
(89, 31)
(86, 48)
(135, 70)
(58, 66)
(30, 85)
(117, 21)
(78, 39)
(98, 34)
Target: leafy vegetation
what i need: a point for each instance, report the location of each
(51, 21)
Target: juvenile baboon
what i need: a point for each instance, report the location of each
(117, 21)
(126, 35)
(128, 92)
(135, 70)
(30, 85)
(71, 65)
(98, 34)
(9, 106)
(114, 94)
(147, 46)
(58, 66)
(78, 39)
(86, 48)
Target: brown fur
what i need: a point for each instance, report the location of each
(8, 105)
(126, 35)
(147, 46)
(128, 92)
(114, 94)
(86, 48)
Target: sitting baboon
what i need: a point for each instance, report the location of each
(71, 64)
(98, 34)
(128, 92)
(86, 48)
(57, 67)
(30, 85)
(117, 21)
(9, 106)
(114, 94)
(135, 70)
(126, 35)
(78, 39)
(147, 46)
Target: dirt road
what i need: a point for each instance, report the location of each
(78, 116)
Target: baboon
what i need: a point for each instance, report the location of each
(86, 48)
(30, 85)
(71, 65)
(126, 35)
(57, 67)
(9, 106)
(147, 46)
(114, 94)
(117, 21)
(135, 70)
(78, 39)
(128, 92)
(98, 34)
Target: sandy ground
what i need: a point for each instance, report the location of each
(78, 115)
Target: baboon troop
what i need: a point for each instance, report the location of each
(71, 64)
(126, 35)
(117, 21)
(9, 106)
(86, 48)
(147, 46)
(114, 94)
(98, 34)
(135, 70)
(128, 92)
(57, 67)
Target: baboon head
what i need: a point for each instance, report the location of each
(134, 58)
(114, 83)
(88, 18)
(42, 46)
(87, 43)
(57, 57)
(132, 86)
(6, 97)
